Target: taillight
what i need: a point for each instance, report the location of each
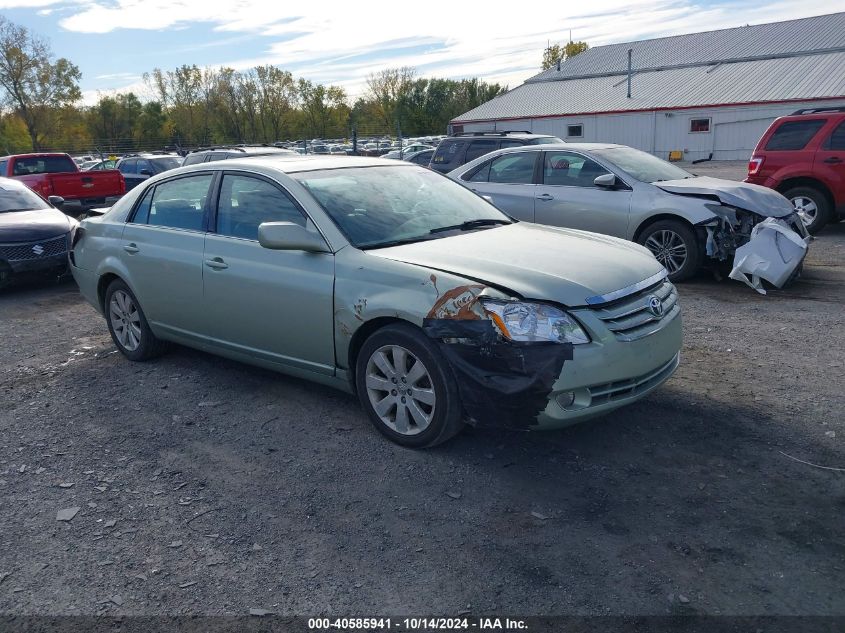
(754, 165)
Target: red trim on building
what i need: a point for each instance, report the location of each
(662, 109)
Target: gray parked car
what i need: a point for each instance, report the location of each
(387, 280)
(683, 219)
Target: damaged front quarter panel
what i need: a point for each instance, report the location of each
(501, 383)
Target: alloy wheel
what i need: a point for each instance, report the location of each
(125, 320)
(668, 248)
(806, 209)
(400, 390)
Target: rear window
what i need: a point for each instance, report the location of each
(448, 152)
(545, 140)
(44, 165)
(794, 135)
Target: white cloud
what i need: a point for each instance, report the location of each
(329, 40)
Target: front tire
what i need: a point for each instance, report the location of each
(407, 387)
(812, 207)
(127, 324)
(675, 246)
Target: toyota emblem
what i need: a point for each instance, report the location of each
(655, 306)
(38, 249)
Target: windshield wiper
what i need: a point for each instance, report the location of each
(389, 243)
(470, 224)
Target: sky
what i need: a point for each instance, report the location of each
(340, 42)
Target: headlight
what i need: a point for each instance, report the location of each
(534, 322)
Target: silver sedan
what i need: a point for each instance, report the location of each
(683, 219)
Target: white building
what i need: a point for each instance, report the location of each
(700, 94)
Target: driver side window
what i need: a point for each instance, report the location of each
(570, 170)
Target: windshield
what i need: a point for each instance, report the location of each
(163, 164)
(18, 197)
(642, 166)
(380, 206)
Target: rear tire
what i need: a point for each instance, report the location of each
(127, 324)
(675, 245)
(407, 387)
(812, 206)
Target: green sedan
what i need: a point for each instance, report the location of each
(386, 280)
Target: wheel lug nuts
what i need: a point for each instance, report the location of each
(393, 392)
(403, 399)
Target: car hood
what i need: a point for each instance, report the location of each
(535, 261)
(742, 195)
(31, 226)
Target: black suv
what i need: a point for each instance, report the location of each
(208, 154)
(455, 150)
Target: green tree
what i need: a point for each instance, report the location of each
(35, 85)
(556, 52)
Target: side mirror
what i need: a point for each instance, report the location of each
(605, 181)
(56, 201)
(287, 236)
(145, 172)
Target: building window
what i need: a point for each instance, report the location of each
(575, 131)
(699, 125)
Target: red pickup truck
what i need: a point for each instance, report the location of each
(803, 157)
(57, 175)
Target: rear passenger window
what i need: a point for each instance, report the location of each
(179, 204)
(513, 168)
(511, 143)
(448, 152)
(246, 202)
(479, 148)
(794, 135)
(835, 142)
(128, 167)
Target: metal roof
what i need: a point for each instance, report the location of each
(776, 39)
(787, 75)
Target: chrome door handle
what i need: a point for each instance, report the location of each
(131, 248)
(545, 196)
(216, 263)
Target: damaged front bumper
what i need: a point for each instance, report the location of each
(771, 248)
(553, 385)
(775, 252)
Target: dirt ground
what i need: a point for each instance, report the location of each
(205, 486)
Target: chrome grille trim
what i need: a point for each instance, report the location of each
(627, 290)
(632, 319)
(22, 251)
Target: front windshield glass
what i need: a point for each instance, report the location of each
(381, 206)
(18, 197)
(642, 166)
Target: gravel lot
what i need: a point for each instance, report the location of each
(209, 487)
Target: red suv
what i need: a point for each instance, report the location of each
(803, 157)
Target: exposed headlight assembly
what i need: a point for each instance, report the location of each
(534, 322)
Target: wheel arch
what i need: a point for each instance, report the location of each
(658, 218)
(806, 181)
(367, 329)
(103, 283)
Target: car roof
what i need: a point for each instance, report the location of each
(293, 163)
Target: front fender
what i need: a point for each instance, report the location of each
(368, 288)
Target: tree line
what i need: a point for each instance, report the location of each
(193, 106)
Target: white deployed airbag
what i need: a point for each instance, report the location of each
(773, 253)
